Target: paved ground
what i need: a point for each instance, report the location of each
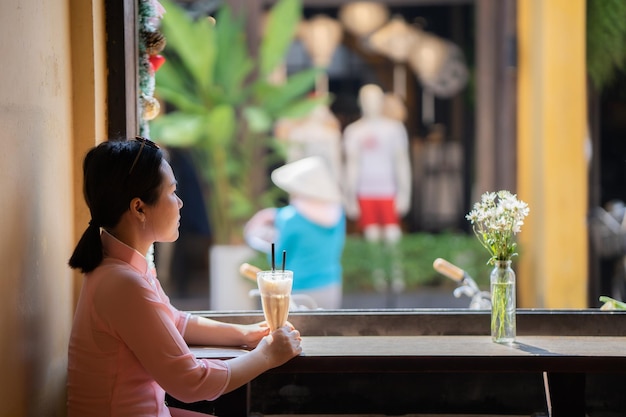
(424, 298)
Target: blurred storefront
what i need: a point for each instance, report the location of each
(517, 122)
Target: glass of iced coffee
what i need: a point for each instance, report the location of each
(275, 288)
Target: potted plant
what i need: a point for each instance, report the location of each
(224, 106)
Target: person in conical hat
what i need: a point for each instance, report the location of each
(311, 229)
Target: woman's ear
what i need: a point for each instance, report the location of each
(137, 209)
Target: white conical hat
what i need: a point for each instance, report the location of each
(308, 177)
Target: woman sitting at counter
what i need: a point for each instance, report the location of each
(128, 344)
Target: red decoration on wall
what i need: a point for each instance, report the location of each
(156, 61)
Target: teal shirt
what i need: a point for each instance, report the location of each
(313, 251)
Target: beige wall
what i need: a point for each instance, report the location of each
(38, 75)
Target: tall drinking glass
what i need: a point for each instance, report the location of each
(275, 289)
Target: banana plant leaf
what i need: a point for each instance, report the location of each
(258, 119)
(280, 28)
(193, 40)
(171, 87)
(234, 64)
(221, 124)
(276, 97)
(300, 108)
(178, 128)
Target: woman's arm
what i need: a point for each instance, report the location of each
(205, 331)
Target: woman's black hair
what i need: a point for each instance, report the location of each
(114, 173)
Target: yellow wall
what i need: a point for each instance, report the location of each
(552, 168)
(41, 83)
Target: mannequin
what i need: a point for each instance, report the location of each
(311, 229)
(378, 183)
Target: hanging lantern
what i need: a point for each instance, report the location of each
(394, 40)
(320, 36)
(361, 18)
(428, 55)
(439, 64)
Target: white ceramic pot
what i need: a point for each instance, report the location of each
(228, 289)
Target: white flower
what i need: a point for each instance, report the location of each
(495, 220)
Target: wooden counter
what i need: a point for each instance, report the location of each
(397, 373)
(382, 354)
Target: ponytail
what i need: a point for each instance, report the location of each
(88, 252)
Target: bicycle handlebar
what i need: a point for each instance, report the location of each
(448, 269)
(249, 271)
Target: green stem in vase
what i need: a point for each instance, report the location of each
(503, 303)
(498, 313)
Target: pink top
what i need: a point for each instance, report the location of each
(127, 348)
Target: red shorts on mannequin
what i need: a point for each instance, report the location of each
(377, 211)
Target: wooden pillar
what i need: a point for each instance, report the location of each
(552, 168)
(485, 97)
(505, 96)
(495, 154)
(122, 65)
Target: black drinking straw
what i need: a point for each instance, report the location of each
(284, 259)
(273, 259)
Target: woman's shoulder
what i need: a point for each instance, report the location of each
(117, 285)
(115, 274)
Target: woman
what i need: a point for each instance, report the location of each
(128, 344)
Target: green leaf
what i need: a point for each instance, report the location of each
(171, 88)
(276, 97)
(192, 41)
(241, 207)
(606, 40)
(178, 129)
(302, 107)
(169, 76)
(221, 123)
(280, 29)
(180, 100)
(258, 119)
(234, 64)
(612, 303)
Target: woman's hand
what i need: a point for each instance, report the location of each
(272, 350)
(281, 345)
(253, 333)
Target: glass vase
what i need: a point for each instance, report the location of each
(502, 302)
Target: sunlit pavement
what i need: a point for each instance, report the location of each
(423, 298)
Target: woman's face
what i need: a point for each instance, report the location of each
(165, 218)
